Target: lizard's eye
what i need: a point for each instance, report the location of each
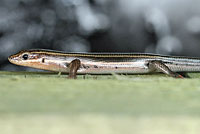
(25, 56)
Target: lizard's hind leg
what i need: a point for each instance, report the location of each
(160, 66)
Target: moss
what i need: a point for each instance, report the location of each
(126, 98)
(23, 92)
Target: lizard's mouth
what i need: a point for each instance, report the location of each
(10, 58)
(13, 59)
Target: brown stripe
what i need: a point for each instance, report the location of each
(106, 55)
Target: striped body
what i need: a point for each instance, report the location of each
(102, 63)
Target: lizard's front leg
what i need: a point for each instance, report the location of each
(73, 67)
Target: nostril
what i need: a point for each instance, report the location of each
(10, 57)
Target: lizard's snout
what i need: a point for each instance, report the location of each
(12, 58)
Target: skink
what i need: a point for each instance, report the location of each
(105, 63)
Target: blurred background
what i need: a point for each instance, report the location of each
(152, 26)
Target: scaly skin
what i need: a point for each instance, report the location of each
(105, 63)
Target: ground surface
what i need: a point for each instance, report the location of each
(45, 103)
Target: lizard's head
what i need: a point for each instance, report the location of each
(25, 58)
(40, 59)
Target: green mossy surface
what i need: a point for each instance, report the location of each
(96, 100)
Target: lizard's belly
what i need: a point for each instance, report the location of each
(114, 67)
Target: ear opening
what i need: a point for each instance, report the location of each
(43, 60)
